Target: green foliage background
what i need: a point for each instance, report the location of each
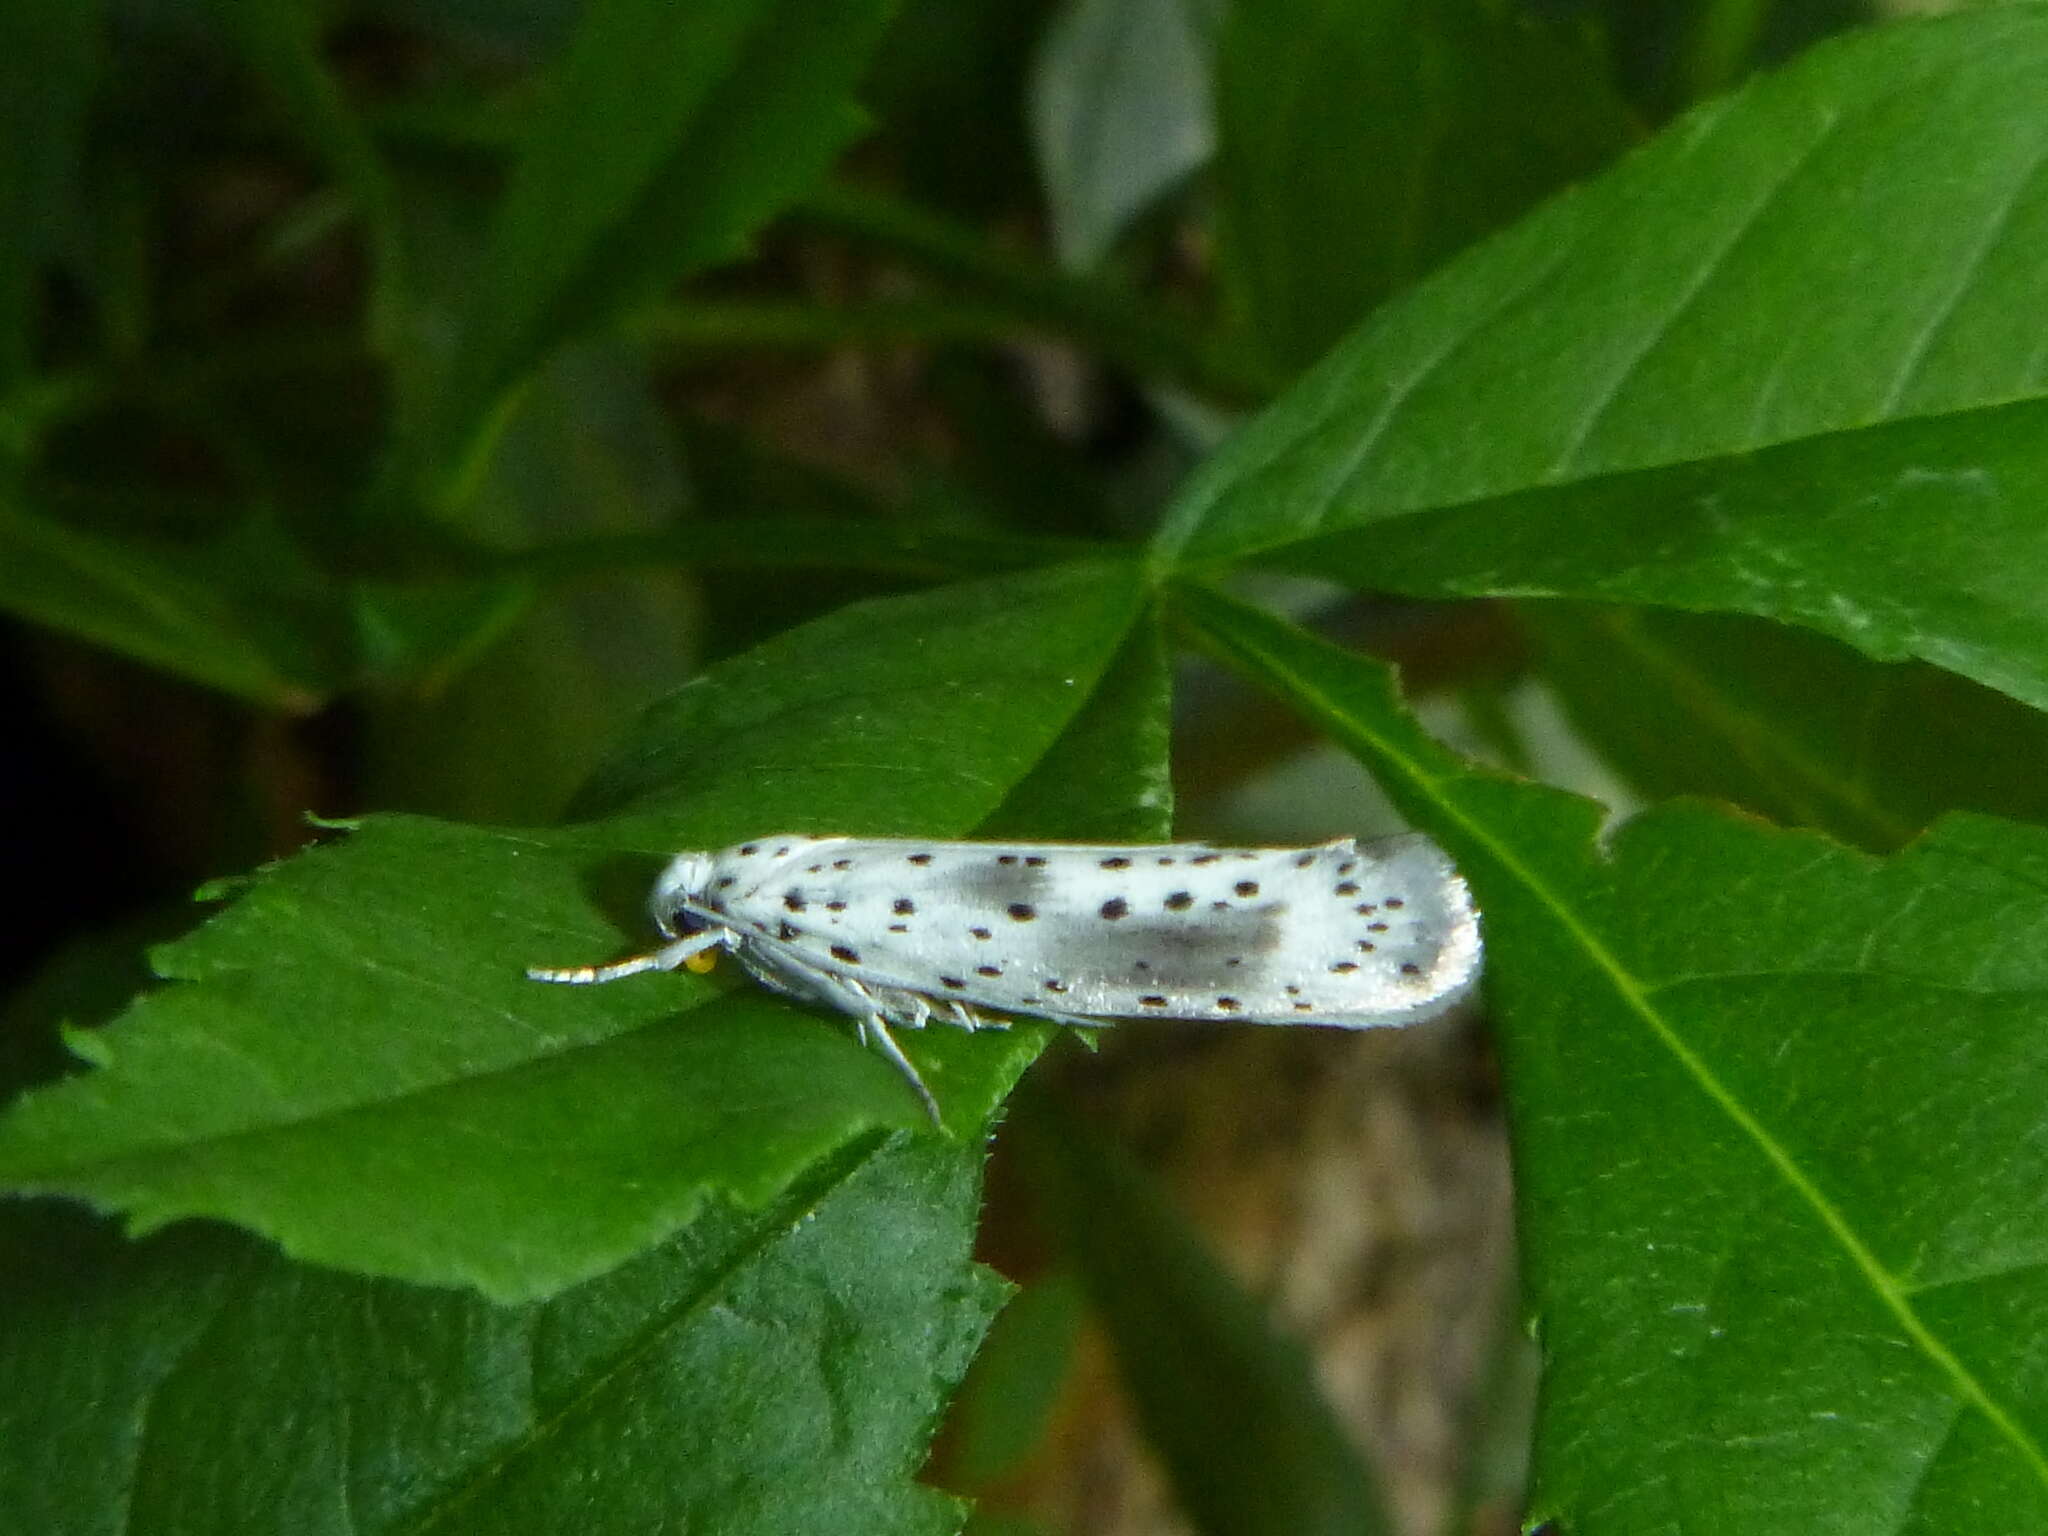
(376, 365)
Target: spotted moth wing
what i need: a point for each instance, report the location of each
(1334, 935)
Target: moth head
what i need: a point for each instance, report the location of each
(679, 891)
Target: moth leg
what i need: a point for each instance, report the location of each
(878, 1036)
(667, 958)
(968, 1019)
(871, 1029)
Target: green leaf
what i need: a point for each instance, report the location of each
(671, 133)
(1645, 379)
(954, 695)
(1780, 1140)
(193, 611)
(49, 65)
(1921, 540)
(1120, 111)
(352, 1062)
(1231, 1406)
(1789, 724)
(765, 1372)
(1362, 143)
(1107, 780)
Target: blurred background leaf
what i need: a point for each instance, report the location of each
(1359, 145)
(667, 136)
(1121, 112)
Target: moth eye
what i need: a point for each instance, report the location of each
(683, 923)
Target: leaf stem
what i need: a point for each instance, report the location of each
(1116, 324)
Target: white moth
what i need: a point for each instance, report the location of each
(897, 932)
